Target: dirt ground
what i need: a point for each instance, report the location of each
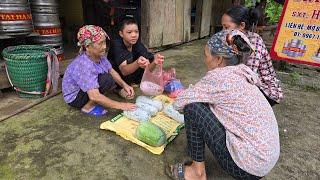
(54, 141)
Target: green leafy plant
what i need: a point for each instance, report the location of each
(273, 10)
(295, 77)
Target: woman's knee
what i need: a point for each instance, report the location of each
(106, 82)
(103, 78)
(195, 108)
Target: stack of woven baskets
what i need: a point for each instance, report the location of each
(27, 69)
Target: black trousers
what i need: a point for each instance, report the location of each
(202, 127)
(106, 83)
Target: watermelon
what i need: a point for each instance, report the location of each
(150, 134)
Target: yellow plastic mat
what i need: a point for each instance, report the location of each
(126, 128)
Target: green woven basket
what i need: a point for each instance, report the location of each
(27, 68)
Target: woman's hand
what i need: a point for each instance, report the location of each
(127, 106)
(129, 91)
(158, 59)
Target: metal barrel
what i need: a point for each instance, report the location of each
(44, 6)
(295, 43)
(45, 16)
(303, 50)
(15, 17)
(48, 26)
(300, 50)
(285, 48)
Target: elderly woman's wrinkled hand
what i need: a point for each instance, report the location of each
(129, 90)
(128, 106)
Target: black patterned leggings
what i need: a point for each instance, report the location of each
(202, 127)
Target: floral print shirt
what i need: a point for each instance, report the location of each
(252, 135)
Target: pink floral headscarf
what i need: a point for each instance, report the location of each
(90, 34)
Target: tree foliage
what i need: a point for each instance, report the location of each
(273, 10)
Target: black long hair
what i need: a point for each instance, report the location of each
(241, 14)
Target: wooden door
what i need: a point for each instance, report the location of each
(166, 22)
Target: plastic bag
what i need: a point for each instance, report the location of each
(152, 81)
(169, 75)
(173, 88)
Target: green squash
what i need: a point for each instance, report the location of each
(150, 134)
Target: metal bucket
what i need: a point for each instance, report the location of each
(48, 26)
(44, 6)
(15, 17)
(45, 16)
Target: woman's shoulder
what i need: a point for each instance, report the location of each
(254, 36)
(229, 71)
(82, 61)
(221, 73)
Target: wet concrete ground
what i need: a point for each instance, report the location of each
(54, 141)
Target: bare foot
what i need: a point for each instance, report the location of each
(196, 171)
(88, 107)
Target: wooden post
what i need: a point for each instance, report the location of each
(179, 21)
(169, 26)
(206, 18)
(187, 21)
(156, 22)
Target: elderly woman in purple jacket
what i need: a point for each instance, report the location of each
(90, 75)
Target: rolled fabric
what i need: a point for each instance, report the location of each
(147, 107)
(174, 114)
(154, 103)
(138, 114)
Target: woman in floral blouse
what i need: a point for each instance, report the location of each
(243, 19)
(226, 111)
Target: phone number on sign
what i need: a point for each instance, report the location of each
(307, 35)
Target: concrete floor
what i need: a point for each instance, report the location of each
(54, 141)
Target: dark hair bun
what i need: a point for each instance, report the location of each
(241, 14)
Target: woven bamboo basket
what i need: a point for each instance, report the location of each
(27, 69)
